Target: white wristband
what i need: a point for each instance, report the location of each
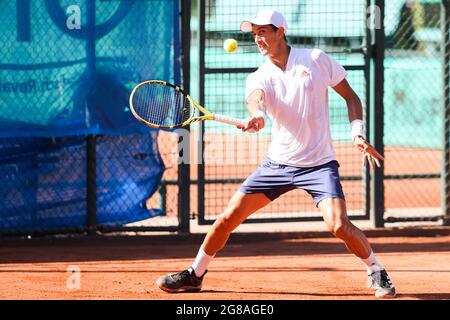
(358, 129)
(259, 114)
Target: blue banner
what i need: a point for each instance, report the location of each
(44, 181)
(67, 67)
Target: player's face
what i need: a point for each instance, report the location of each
(266, 38)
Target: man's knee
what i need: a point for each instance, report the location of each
(340, 229)
(238, 209)
(225, 222)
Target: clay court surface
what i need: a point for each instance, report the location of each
(258, 266)
(252, 266)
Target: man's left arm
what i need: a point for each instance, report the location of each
(355, 115)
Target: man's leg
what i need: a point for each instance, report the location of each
(334, 213)
(239, 208)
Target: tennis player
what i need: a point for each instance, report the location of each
(291, 88)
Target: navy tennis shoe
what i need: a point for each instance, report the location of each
(184, 281)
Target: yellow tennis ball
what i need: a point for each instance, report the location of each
(230, 45)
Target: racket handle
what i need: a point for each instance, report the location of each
(229, 120)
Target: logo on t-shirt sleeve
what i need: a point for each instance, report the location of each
(274, 81)
(305, 72)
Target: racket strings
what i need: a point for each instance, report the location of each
(186, 109)
(161, 105)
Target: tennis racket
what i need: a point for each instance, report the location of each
(162, 105)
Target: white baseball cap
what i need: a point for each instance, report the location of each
(265, 17)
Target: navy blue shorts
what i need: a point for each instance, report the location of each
(275, 179)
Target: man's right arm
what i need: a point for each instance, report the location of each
(257, 109)
(255, 101)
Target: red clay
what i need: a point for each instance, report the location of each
(276, 269)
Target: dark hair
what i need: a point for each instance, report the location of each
(274, 28)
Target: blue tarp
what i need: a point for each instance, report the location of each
(61, 75)
(44, 181)
(66, 70)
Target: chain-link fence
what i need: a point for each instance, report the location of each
(415, 42)
(413, 105)
(72, 157)
(445, 48)
(337, 27)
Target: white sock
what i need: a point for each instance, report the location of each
(201, 262)
(371, 263)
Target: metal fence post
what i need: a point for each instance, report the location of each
(184, 168)
(377, 213)
(201, 125)
(367, 76)
(91, 184)
(91, 153)
(445, 48)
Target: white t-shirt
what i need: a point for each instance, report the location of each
(297, 102)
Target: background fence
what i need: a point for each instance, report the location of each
(73, 159)
(404, 101)
(413, 113)
(339, 30)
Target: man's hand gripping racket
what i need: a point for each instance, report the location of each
(162, 105)
(369, 153)
(253, 124)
